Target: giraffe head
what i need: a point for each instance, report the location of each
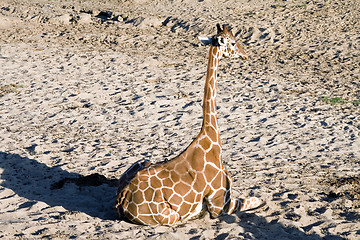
(225, 40)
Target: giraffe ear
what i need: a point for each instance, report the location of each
(206, 40)
(222, 41)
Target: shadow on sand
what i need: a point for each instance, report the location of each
(93, 195)
(257, 227)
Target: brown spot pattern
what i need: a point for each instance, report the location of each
(168, 192)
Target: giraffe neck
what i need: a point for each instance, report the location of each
(206, 146)
(209, 101)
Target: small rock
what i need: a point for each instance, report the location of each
(150, 22)
(84, 18)
(63, 19)
(292, 216)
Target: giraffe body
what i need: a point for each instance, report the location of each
(164, 193)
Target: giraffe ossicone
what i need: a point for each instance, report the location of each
(168, 192)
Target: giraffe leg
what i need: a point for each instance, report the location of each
(221, 201)
(215, 205)
(234, 205)
(248, 204)
(167, 217)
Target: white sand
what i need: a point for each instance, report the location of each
(80, 94)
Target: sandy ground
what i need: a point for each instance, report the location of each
(92, 87)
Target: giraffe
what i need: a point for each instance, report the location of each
(196, 180)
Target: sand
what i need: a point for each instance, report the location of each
(90, 88)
